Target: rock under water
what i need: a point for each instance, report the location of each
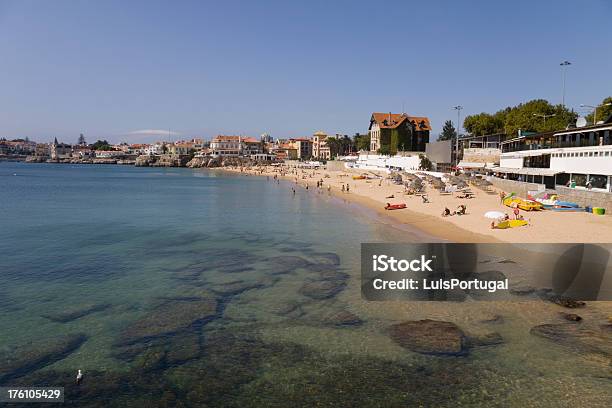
(430, 337)
(30, 357)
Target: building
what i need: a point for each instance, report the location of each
(480, 152)
(223, 145)
(320, 149)
(251, 146)
(182, 148)
(303, 147)
(82, 152)
(109, 154)
(60, 150)
(440, 154)
(579, 157)
(285, 151)
(393, 132)
(156, 149)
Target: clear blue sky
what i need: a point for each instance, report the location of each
(108, 68)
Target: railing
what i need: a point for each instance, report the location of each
(554, 145)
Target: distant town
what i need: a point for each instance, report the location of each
(577, 155)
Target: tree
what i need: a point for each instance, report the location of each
(425, 164)
(448, 131)
(335, 145)
(101, 145)
(529, 116)
(603, 112)
(483, 124)
(384, 149)
(362, 142)
(81, 140)
(537, 115)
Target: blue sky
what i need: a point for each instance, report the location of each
(113, 68)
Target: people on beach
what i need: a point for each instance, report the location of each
(425, 199)
(516, 212)
(446, 212)
(461, 210)
(343, 189)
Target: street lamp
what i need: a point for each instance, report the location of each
(582, 105)
(564, 66)
(544, 116)
(458, 109)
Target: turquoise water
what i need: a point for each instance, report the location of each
(123, 256)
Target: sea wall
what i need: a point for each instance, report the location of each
(336, 165)
(579, 196)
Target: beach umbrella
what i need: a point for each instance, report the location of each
(494, 214)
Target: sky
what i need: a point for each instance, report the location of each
(140, 71)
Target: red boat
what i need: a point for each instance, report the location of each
(394, 206)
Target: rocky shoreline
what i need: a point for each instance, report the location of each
(165, 160)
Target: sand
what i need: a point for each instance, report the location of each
(544, 226)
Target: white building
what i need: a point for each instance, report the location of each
(579, 157)
(368, 161)
(223, 145)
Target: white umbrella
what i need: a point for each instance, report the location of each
(494, 214)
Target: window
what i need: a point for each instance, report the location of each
(596, 154)
(581, 154)
(562, 179)
(598, 181)
(607, 154)
(590, 154)
(580, 180)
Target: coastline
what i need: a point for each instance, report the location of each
(545, 226)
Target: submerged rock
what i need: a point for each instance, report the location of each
(342, 318)
(30, 357)
(489, 339)
(283, 264)
(289, 309)
(430, 337)
(170, 317)
(235, 287)
(493, 319)
(183, 347)
(522, 290)
(322, 289)
(561, 300)
(576, 337)
(69, 315)
(572, 317)
(325, 258)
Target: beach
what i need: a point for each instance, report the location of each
(544, 226)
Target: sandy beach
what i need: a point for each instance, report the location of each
(544, 226)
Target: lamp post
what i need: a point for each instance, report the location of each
(544, 116)
(595, 109)
(564, 65)
(458, 109)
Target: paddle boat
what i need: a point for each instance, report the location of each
(525, 205)
(359, 177)
(510, 224)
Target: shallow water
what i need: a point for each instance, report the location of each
(107, 250)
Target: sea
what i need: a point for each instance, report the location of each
(197, 287)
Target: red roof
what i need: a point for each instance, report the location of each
(393, 120)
